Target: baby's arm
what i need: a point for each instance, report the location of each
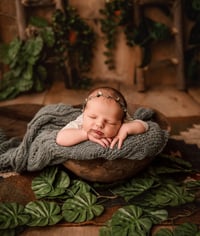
(72, 133)
(131, 127)
(71, 136)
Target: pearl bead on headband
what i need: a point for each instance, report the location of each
(116, 99)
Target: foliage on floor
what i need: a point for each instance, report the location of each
(144, 200)
(183, 229)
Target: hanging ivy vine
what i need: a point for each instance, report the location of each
(75, 41)
(118, 14)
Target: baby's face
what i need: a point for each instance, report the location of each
(102, 117)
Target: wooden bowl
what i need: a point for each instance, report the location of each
(108, 171)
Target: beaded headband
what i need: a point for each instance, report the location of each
(116, 99)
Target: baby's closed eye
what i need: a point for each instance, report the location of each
(92, 116)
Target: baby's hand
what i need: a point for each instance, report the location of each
(105, 142)
(120, 137)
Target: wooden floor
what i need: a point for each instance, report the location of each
(63, 231)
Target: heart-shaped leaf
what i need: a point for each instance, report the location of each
(12, 215)
(134, 187)
(50, 183)
(43, 213)
(81, 208)
(130, 220)
(78, 186)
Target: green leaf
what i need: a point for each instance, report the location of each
(4, 53)
(62, 181)
(81, 208)
(12, 215)
(134, 187)
(186, 229)
(43, 213)
(34, 46)
(42, 184)
(14, 49)
(175, 161)
(48, 36)
(25, 82)
(39, 78)
(10, 92)
(157, 216)
(50, 183)
(130, 220)
(193, 184)
(78, 186)
(38, 21)
(105, 231)
(159, 31)
(168, 195)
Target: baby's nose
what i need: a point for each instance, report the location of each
(100, 124)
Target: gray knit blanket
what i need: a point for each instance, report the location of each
(38, 148)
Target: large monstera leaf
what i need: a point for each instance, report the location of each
(50, 183)
(12, 215)
(77, 187)
(168, 195)
(127, 221)
(81, 207)
(134, 187)
(43, 213)
(132, 221)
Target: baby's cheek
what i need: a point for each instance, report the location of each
(114, 131)
(87, 126)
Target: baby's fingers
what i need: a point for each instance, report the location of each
(120, 143)
(115, 140)
(103, 142)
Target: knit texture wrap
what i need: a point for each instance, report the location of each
(38, 148)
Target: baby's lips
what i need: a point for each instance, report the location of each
(98, 132)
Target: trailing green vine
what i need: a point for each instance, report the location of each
(118, 14)
(75, 41)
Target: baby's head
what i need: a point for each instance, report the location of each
(108, 93)
(104, 109)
